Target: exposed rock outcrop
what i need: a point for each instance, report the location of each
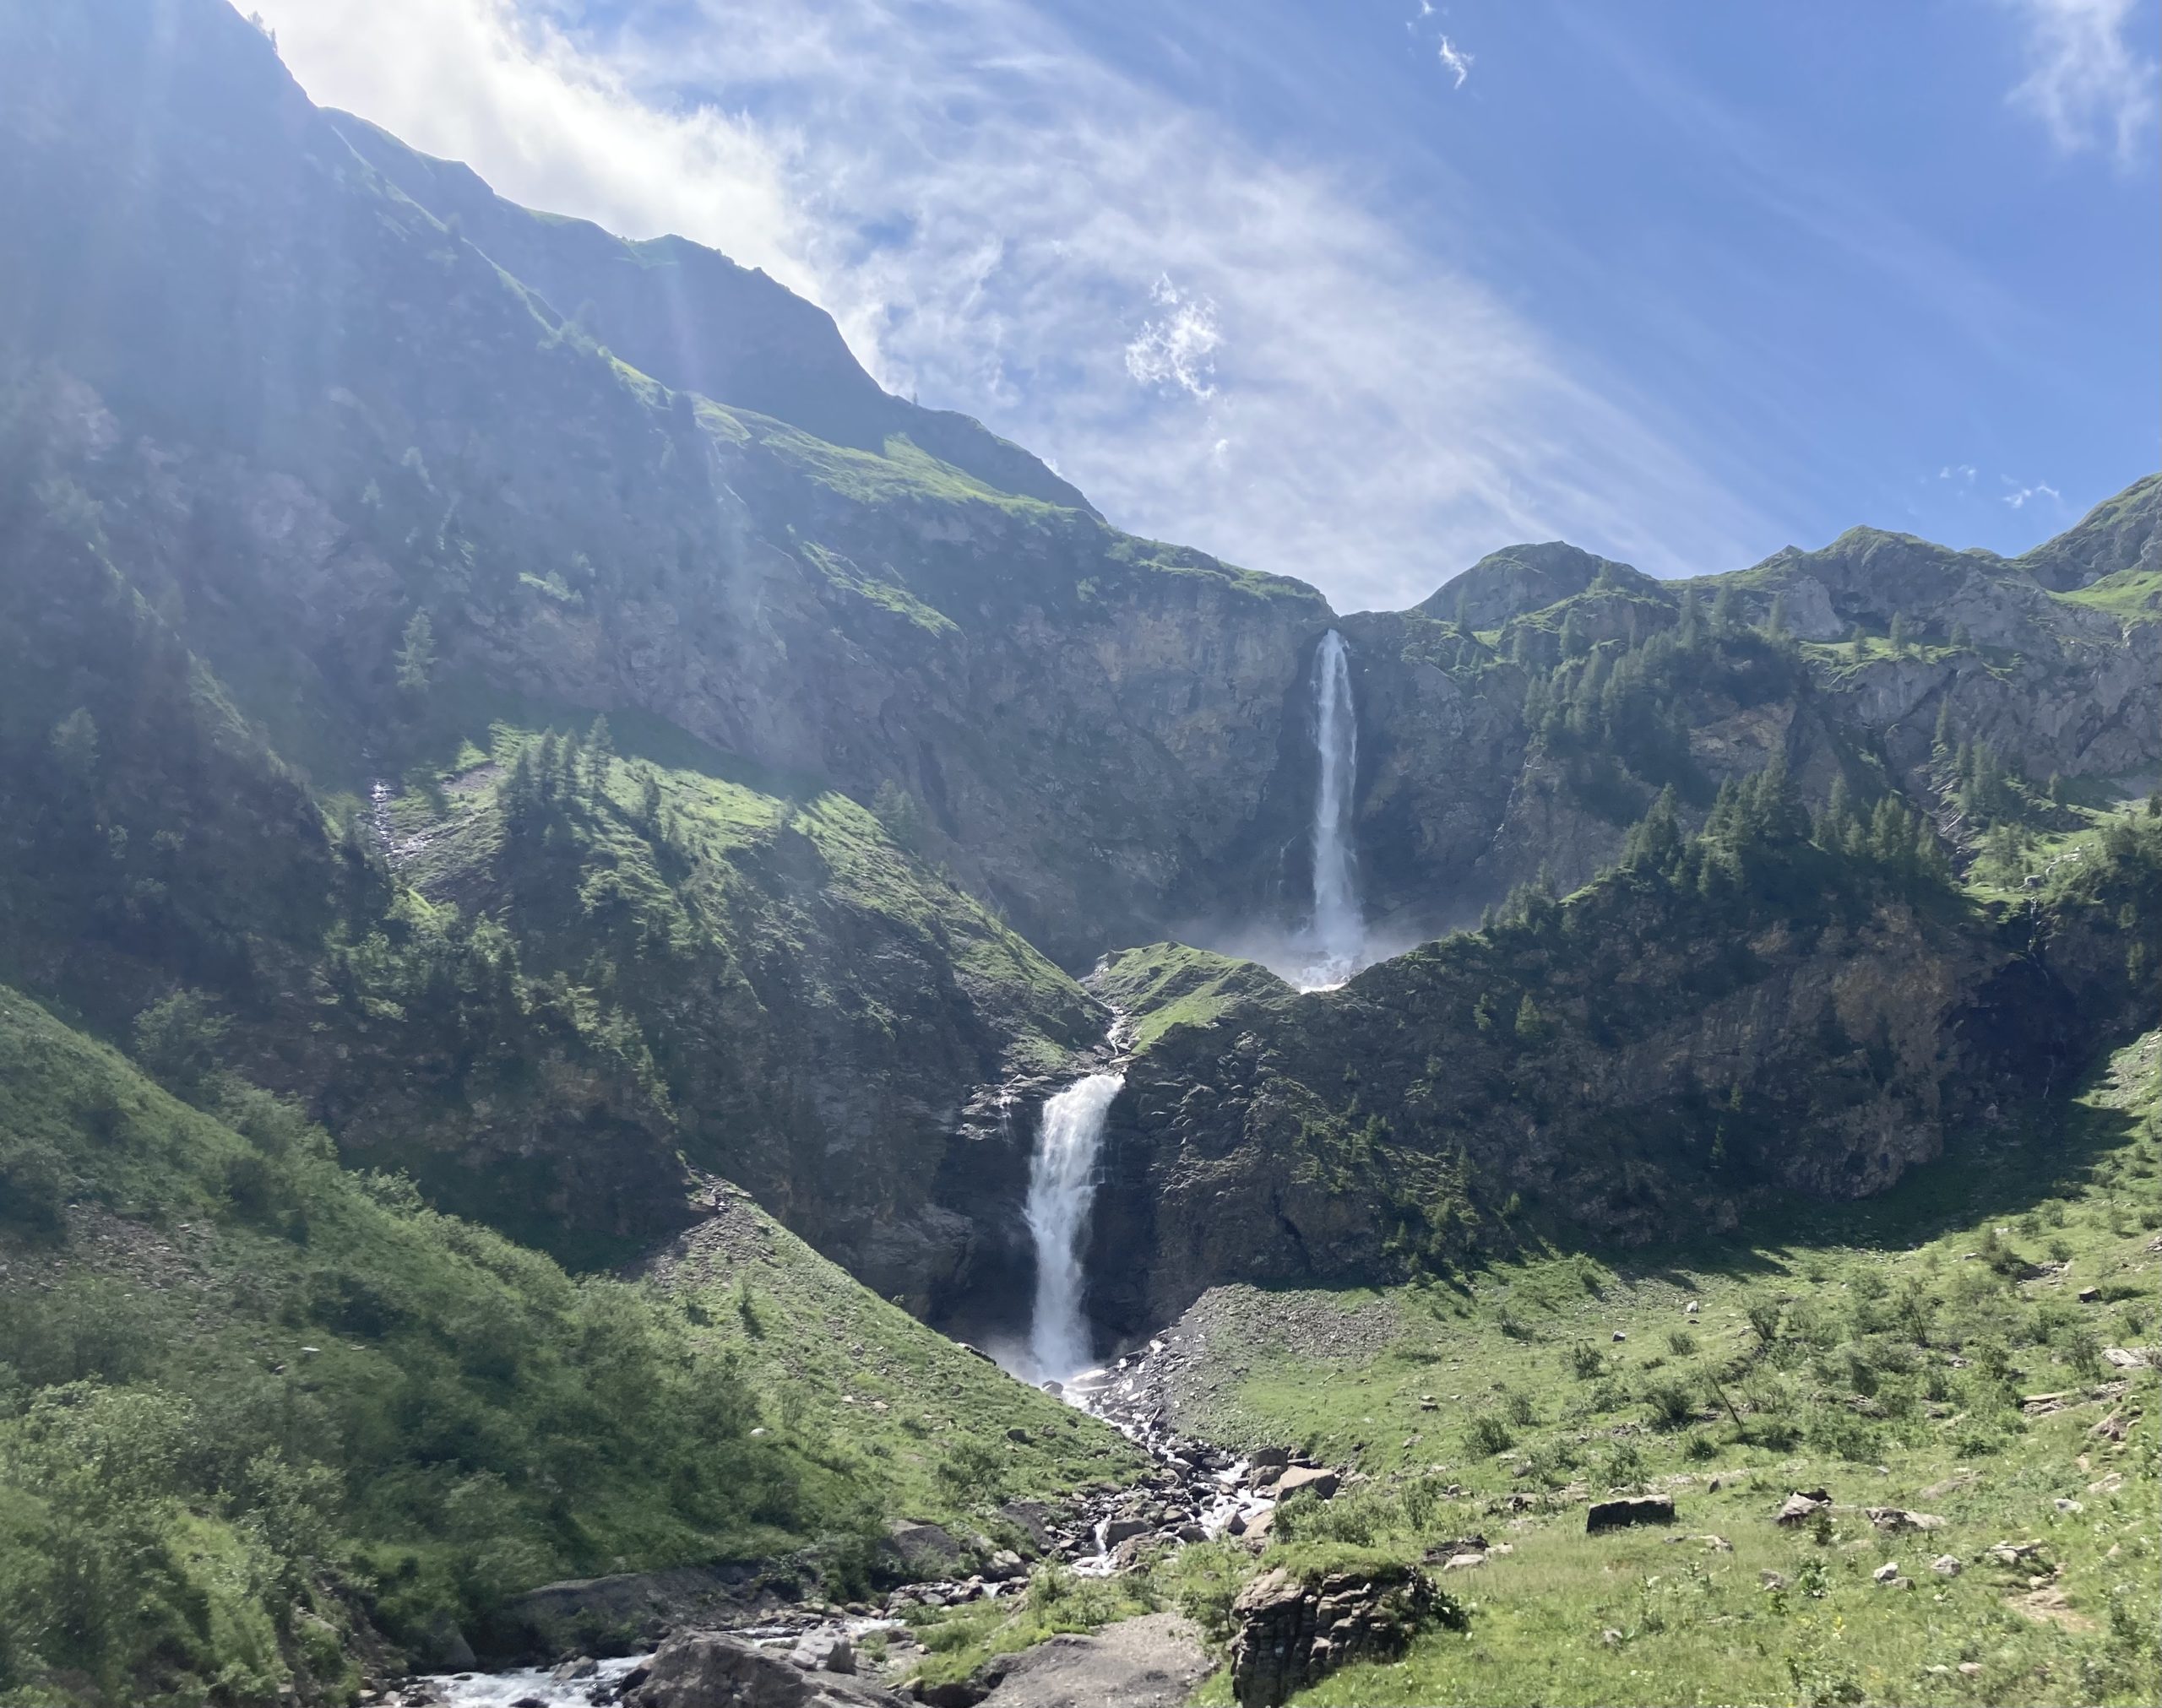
(1292, 1632)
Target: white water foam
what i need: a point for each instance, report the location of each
(1062, 1186)
(1340, 926)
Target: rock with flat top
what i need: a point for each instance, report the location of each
(1322, 1484)
(1635, 1509)
(708, 1671)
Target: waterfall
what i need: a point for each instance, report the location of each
(1062, 1183)
(1340, 931)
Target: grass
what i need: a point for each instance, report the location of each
(1880, 1350)
(245, 1393)
(2130, 595)
(1165, 985)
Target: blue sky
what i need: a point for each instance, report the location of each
(1357, 292)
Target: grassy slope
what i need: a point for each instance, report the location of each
(1898, 1357)
(1168, 984)
(936, 1427)
(244, 1393)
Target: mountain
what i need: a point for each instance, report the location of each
(542, 808)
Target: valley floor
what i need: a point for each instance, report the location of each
(1974, 1350)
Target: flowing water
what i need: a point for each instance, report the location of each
(1062, 1184)
(1339, 929)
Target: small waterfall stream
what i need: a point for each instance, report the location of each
(1062, 1185)
(1340, 929)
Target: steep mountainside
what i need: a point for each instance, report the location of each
(1751, 1013)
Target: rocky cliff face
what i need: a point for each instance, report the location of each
(1634, 1061)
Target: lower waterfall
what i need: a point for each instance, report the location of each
(1062, 1185)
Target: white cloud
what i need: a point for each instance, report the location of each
(981, 203)
(1178, 348)
(1964, 473)
(1456, 60)
(2020, 496)
(2086, 81)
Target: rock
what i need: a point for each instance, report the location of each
(1323, 1484)
(2108, 1485)
(1033, 1517)
(1269, 1458)
(1256, 1527)
(1800, 1506)
(1718, 1544)
(1772, 1580)
(1117, 1530)
(2012, 1552)
(2113, 1427)
(1610, 1638)
(1191, 1532)
(1970, 1669)
(1636, 1509)
(1290, 1633)
(925, 1549)
(1886, 1573)
(1004, 1566)
(2119, 1359)
(578, 1666)
(1690, 1309)
(825, 1652)
(1153, 1661)
(707, 1671)
(2063, 1505)
(1464, 1562)
(1947, 1565)
(1619, 1336)
(1952, 1484)
(2090, 1295)
(1898, 1518)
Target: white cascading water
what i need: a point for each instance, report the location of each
(1062, 1184)
(1339, 929)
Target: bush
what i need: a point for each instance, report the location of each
(1487, 1435)
(1674, 1406)
(1586, 1361)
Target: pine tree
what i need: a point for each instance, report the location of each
(1942, 744)
(1898, 631)
(416, 655)
(1723, 610)
(1692, 629)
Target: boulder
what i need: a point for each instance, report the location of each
(1898, 1518)
(1799, 1507)
(1947, 1565)
(1290, 1632)
(1269, 1458)
(715, 1672)
(1322, 1484)
(1118, 1530)
(1035, 1518)
(925, 1549)
(1464, 1562)
(1636, 1509)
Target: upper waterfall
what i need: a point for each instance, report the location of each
(1340, 927)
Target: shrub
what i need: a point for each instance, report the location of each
(1586, 1361)
(1487, 1434)
(1674, 1406)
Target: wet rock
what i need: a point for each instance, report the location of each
(708, 1671)
(1637, 1509)
(1118, 1530)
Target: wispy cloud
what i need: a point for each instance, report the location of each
(1456, 60)
(2019, 497)
(1962, 472)
(1177, 348)
(984, 204)
(2087, 82)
